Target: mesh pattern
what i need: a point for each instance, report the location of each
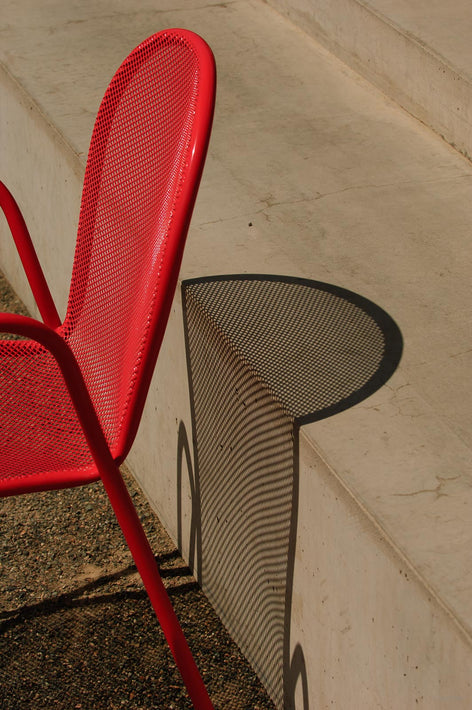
(131, 219)
(312, 346)
(245, 471)
(47, 437)
(137, 161)
(265, 355)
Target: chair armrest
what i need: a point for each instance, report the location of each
(29, 259)
(53, 342)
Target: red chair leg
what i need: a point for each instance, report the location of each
(147, 566)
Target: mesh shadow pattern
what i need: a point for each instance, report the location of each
(265, 355)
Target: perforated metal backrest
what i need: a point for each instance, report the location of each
(144, 165)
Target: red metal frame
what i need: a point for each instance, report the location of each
(29, 259)
(50, 336)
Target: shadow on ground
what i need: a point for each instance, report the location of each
(76, 626)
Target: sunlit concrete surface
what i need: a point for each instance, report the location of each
(311, 172)
(418, 52)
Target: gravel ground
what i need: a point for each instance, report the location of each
(76, 628)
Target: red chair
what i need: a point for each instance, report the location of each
(72, 394)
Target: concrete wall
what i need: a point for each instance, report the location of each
(379, 638)
(45, 176)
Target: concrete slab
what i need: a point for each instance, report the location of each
(417, 52)
(312, 173)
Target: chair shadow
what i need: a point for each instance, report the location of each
(250, 340)
(79, 596)
(97, 645)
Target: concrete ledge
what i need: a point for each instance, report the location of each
(415, 52)
(374, 613)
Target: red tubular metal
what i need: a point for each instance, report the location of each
(29, 259)
(120, 499)
(148, 569)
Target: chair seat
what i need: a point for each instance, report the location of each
(41, 441)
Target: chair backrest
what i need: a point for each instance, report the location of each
(144, 165)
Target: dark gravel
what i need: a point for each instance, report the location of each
(76, 628)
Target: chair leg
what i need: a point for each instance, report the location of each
(147, 566)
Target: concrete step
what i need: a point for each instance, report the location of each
(417, 52)
(312, 173)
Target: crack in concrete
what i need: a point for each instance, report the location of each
(463, 352)
(442, 481)
(321, 195)
(154, 11)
